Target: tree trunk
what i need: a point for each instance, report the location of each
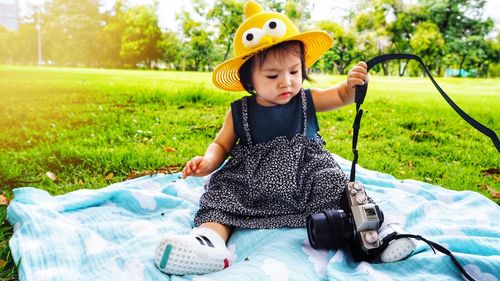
(341, 63)
(445, 22)
(228, 48)
(347, 63)
(461, 65)
(402, 73)
(385, 68)
(480, 69)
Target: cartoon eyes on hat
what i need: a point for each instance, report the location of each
(275, 28)
(252, 37)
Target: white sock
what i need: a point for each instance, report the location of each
(211, 235)
(398, 249)
(201, 251)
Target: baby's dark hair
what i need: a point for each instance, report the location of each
(245, 71)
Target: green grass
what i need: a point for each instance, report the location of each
(84, 124)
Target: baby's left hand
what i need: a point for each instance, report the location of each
(357, 76)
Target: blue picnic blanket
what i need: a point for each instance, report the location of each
(111, 234)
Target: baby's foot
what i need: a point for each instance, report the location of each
(397, 249)
(192, 253)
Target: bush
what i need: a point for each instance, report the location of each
(494, 70)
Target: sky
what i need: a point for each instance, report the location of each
(323, 9)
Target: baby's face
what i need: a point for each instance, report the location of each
(278, 79)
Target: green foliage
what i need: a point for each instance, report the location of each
(198, 51)
(228, 15)
(299, 11)
(427, 43)
(494, 70)
(402, 28)
(141, 36)
(343, 52)
(19, 47)
(111, 36)
(69, 32)
(171, 46)
(463, 29)
(78, 33)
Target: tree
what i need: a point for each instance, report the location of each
(6, 49)
(141, 36)
(69, 32)
(299, 11)
(198, 40)
(494, 56)
(428, 43)
(377, 23)
(401, 30)
(457, 20)
(171, 48)
(480, 56)
(343, 52)
(110, 40)
(227, 14)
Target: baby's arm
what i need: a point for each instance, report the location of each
(343, 94)
(216, 152)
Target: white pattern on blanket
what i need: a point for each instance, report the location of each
(111, 234)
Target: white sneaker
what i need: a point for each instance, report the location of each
(398, 249)
(191, 254)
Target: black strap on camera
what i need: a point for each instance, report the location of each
(360, 97)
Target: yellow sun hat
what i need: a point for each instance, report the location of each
(259, 31)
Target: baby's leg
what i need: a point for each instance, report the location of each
(201, 251)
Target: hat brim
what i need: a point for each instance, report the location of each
(316, 43)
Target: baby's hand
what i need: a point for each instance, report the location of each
(198, 166)
(357, 76)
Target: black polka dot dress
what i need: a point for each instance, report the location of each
(273, 184)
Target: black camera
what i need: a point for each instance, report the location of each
(356, 225)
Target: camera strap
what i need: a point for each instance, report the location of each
(434, 246)
(361, 94)
(359, 98)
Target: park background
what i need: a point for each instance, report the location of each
(453, 37)
(95, 92)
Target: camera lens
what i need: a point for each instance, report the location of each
(330, 229)
(318, 230)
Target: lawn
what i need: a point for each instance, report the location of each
(64, 129)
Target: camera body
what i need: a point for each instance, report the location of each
(356, 225)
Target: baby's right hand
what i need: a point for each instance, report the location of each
(198, 166)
